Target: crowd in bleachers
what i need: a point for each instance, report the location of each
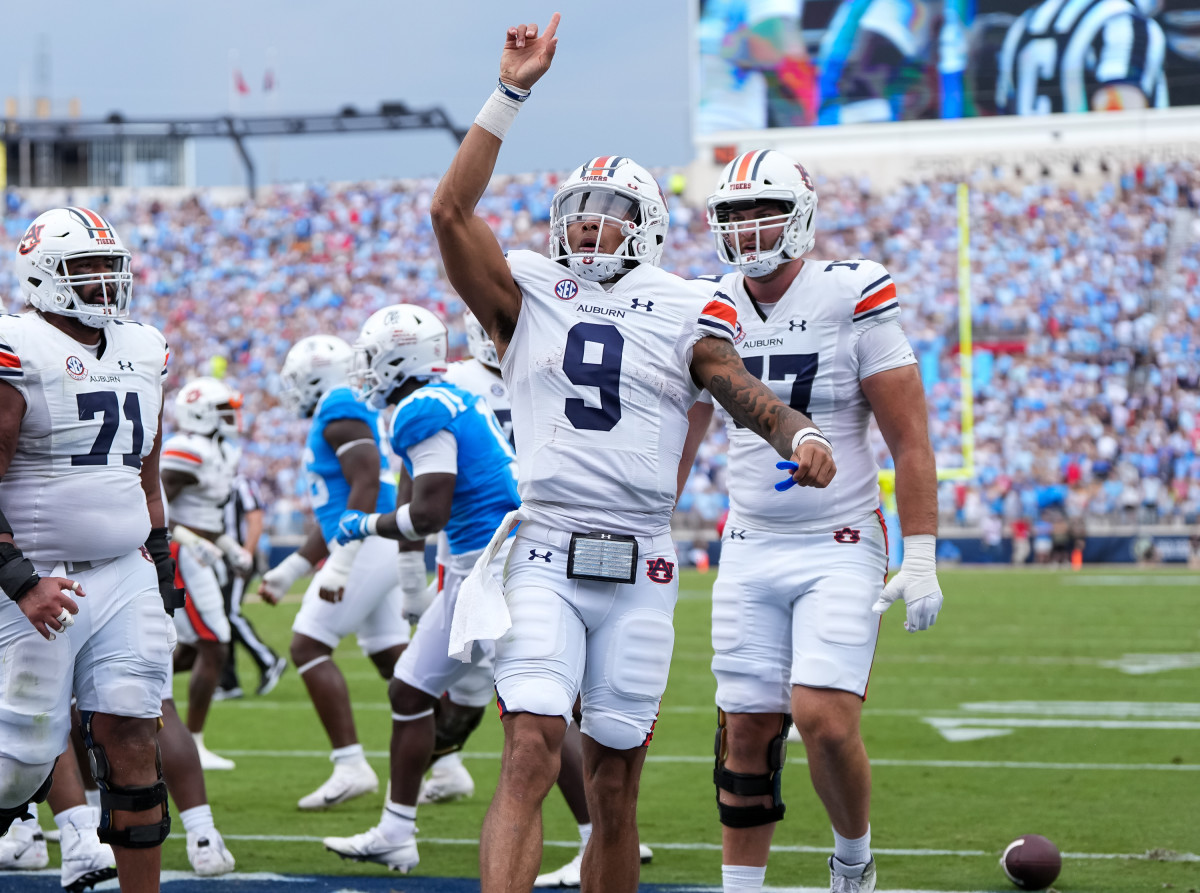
(1086, 313)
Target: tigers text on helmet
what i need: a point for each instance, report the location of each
(65, 238)
(314, 366)
(751, 178)
(480, 343)
(397, 343)
(208, 406)
(609, 191)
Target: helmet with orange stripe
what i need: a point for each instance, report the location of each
(763, 212)
(72, 262)
(607, 217)
(208, 406)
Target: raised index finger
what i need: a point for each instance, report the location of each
(551, 27)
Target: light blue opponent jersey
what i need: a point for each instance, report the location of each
(486, 486)
(327, 487)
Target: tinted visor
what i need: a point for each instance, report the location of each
(598, 203)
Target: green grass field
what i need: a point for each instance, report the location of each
(1094, 749)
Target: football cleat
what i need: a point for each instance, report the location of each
(452, 782)
(228, 694)
(373, 846)
(85, 860)
(23, 848)
(346, 783)
(211, 762)
(208, 854)
(270, 676)
(570, 874)
(845, 878)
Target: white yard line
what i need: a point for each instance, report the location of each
(797, 760)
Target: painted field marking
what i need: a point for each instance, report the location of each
(797, 760)
(1173, 716)
(1130, 580)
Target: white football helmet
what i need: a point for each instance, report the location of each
(613, 191)
(314, 366)
(208, 406)
(480, 343)
(760, 176)
(54, 242)
(397, 343)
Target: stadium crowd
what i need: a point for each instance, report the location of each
(1086, 317)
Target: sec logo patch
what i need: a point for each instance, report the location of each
(76, 369)
(566, 289)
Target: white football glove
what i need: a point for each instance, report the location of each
(416, 596)
(207, 553)
(916, 583)
(240, 558)
(334, 572)
(279, 580)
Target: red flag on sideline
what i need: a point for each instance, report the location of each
(239, 82)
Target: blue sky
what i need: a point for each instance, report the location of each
(619, 84)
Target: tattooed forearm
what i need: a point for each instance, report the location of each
(750, 402)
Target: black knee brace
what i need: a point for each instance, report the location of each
(750, 785)
(126, 798)
(11, 814)
(454, 727)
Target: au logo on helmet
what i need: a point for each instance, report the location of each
(32, 239)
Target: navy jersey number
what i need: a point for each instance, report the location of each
(603, 372)
(106, 405)
(783, 365)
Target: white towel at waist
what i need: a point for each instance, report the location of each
(481, 614)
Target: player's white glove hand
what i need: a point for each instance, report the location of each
(332, 576)
(207, 553)
(416, 595)
(240, 558)
(916, 583)
(278, 580)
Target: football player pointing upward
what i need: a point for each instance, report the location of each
(793, 627)
(603, 353)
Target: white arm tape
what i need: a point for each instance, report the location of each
(405, 525)
(351, 444)
(811, 434)
(500, 110)
(184, 536)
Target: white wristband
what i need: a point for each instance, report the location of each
(373, 523)
(405, 525)
(500, 110)
(810, 434)
(184, 536)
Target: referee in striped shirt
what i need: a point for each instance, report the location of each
(1083, 55)
(244, 522)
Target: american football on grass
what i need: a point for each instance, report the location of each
(1032, 862)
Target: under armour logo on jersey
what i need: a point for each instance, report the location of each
(648, 306)
(125, 365)
(735, 534)
(846, 535)
(533, 553)
(660, 570)
(802, 325)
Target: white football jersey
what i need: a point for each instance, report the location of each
(838, 323)
(213, 462)
(472, 375)
(600, 387)
(73, 491)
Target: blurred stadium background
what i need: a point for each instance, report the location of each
(1048, 268)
